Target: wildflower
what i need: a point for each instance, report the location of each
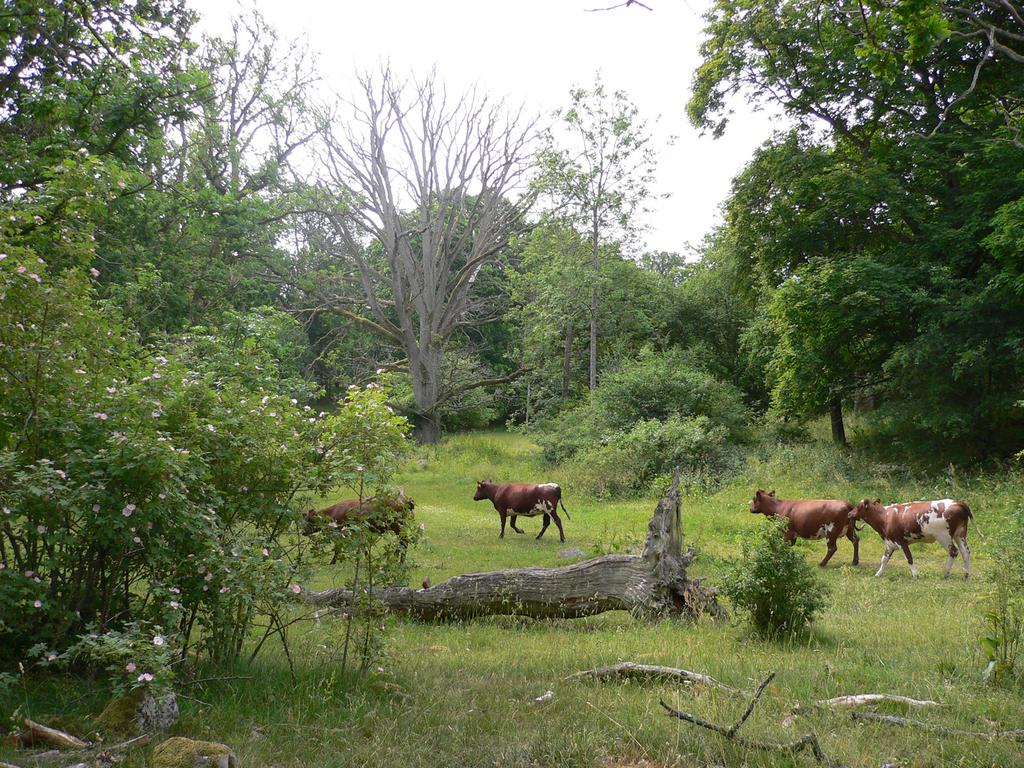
(161, 496)
(35, 277)
(145, 677)
(266, 552)
(127, 511)
(225, 589)
(208, 576)
(21, 269)
(174, 591)
(41, 528)
(130, 666)
(38, 603)
(175, 604)
(295, 588)
(94, 272)
(158, 640)
(95, 507)
(100, 416)
(60, 473)
(211, 427)
(111, 390)
(52, 657)
(136, 539)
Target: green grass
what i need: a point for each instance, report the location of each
(461, 694)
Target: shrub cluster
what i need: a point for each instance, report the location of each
(657, 412)
(146, 487)
(773, 584)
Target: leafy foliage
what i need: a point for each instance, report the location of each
(657, 412)
(773, 584)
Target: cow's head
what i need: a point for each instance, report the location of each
(866, 508)
(481, 491)
(759, 504)
(311, 526)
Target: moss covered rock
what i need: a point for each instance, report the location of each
(136, 713)
(179, 752)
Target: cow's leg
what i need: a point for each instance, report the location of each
(910, 559)
(947, 544)
(965, 553)
(851, 534)
(889, 549)
(515, 528)
(547, 522)
(790, 537)
(502, 534)
(558, 522)
(832, 547)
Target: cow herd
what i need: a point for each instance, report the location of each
(900, 525)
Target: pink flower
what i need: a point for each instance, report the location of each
(127, 511)
(225, 589)
(100, 416)
(295, 588)
(35, 277)
(145, 677)
(174, 591)
(94, 272)
(111, 390)
(136, 539)
(130, 666)
(21, 269)
(52, 657)
(38, 603)
(41, 528)
(266, 552)
(158, 640)
(175, 604)
(60, 473)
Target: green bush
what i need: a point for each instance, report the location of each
(140, 488)
(773, 584)
(1003, 618)
(657, 412)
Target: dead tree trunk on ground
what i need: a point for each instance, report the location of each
(652, 583)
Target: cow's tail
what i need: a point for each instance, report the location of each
(562, 505)
(970, 516)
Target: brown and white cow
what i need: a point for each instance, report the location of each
(380, 516)
(900, 525)
(526, 499)
(811, 519)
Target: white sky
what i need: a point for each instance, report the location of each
(532, 52)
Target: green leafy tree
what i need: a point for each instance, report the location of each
(598, 173)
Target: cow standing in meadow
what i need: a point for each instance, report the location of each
(379, 515)
(811, 519)
(526, 499)
(906, 523)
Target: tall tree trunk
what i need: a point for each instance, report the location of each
(838, 430)
(567, 358)
(594, 240)
(425, 372)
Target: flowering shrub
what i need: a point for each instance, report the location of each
(140, 488)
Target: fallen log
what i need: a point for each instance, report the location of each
(653, 583)
(630, 669)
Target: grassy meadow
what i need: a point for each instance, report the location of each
(461, 694)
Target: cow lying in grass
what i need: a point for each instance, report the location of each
(526, 499)
(379, 515)
(811, 519)
(900, 525)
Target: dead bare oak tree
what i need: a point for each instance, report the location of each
(424, 190)
(653, 584)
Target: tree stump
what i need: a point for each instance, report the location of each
(653, 583)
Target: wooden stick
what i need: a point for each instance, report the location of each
(53, 736)
(859, 699)
(630, 669)
(807, 741)
(1016, 734)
